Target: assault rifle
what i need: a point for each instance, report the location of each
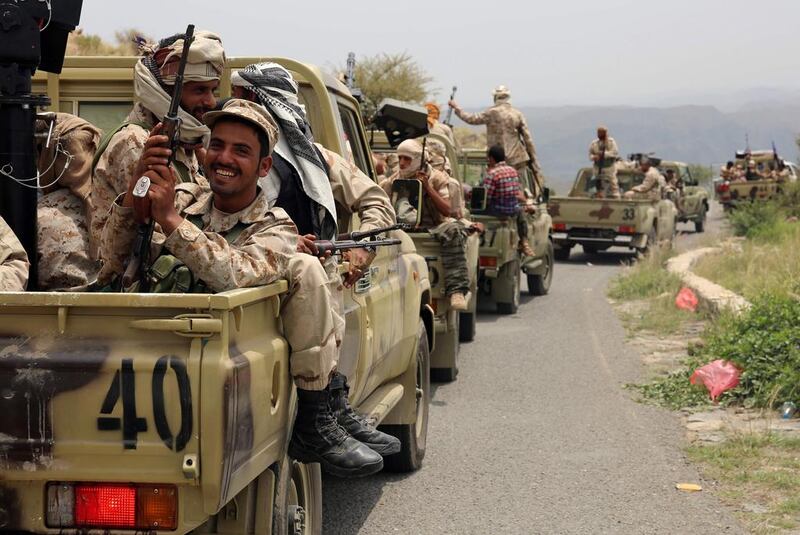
(596, 182)
(361, 234)
(350, 77)
(335, 247)
(171, 127)
(449, 117)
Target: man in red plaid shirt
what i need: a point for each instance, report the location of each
(504, 195)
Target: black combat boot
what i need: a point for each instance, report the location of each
(318, 438)
(355, 424)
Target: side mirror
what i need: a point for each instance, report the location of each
(545, 195)
(407, 201)
(478, 200)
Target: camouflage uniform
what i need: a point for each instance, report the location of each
(443, 130)
(117, 164)
(450, 233)
(606, 171)
(652, 185)
(506, 126)
(355, 192)
(66, 252)
(13, 261)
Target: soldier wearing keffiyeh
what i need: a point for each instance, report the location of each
(153, 79)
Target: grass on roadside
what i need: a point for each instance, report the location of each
(760, 475)
(766, 264)
(649, 282)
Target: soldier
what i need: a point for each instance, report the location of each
(437, 218)
(13, 261)
(752, 173)
(67, 254)
(308, 180)
(652, 185)
(229, 238)
(434, 126)
(727, 171)
(322, 176)
(506, 126)
(436, 154)
(603, 152)
(154, 77)
(504, 194)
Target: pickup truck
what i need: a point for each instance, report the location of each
(451, 327)
(500, 262)
(729, 193)
(598, 224)
(171, 413)
(692, 202)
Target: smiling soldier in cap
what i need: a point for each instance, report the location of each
(230, 238)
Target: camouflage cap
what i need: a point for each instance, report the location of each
(501, 91)
(251, 112)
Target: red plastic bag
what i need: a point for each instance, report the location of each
(686, 300)
(717, 376)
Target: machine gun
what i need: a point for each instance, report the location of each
(171, 127)
(449, 117)
(350, 77)
(361, 234)
(336, 247)
(595, 181)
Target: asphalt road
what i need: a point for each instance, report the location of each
(538, 435)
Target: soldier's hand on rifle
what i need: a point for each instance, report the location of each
(423, 177)
(453, 104)
(360, 260)
(155, 152)
(305, 244)
(162, 198)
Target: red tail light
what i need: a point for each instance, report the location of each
(109, 506)
(112, 506)
(561, 227)
(488, 261)
(723, 187)
(623, 229)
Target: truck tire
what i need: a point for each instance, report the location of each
(513, 306)
(540, 284)
(298, 498)
(700, 226)
(414, 437)
(562, 253)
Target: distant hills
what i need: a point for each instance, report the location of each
(696, 134)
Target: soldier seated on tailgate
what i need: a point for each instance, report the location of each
(229, 238)
(13, 261)
(437, 218)
(651, 187)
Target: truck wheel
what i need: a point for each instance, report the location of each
(540, 284)
(561, 253)
(513, 306)
(414, 437)
(700, 226)
(298, 499)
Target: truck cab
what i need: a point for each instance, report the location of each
(171, 413)
(692, 199)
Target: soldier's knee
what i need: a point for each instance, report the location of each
(306, 270)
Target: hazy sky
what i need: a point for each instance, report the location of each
(548, 52)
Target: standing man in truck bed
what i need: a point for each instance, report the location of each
(603, 152)
(229, 238)
(506, 126)
(118, 158)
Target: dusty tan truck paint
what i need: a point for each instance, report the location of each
(499, 284)
(729, 194)
(597, 224)
(215, 421)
